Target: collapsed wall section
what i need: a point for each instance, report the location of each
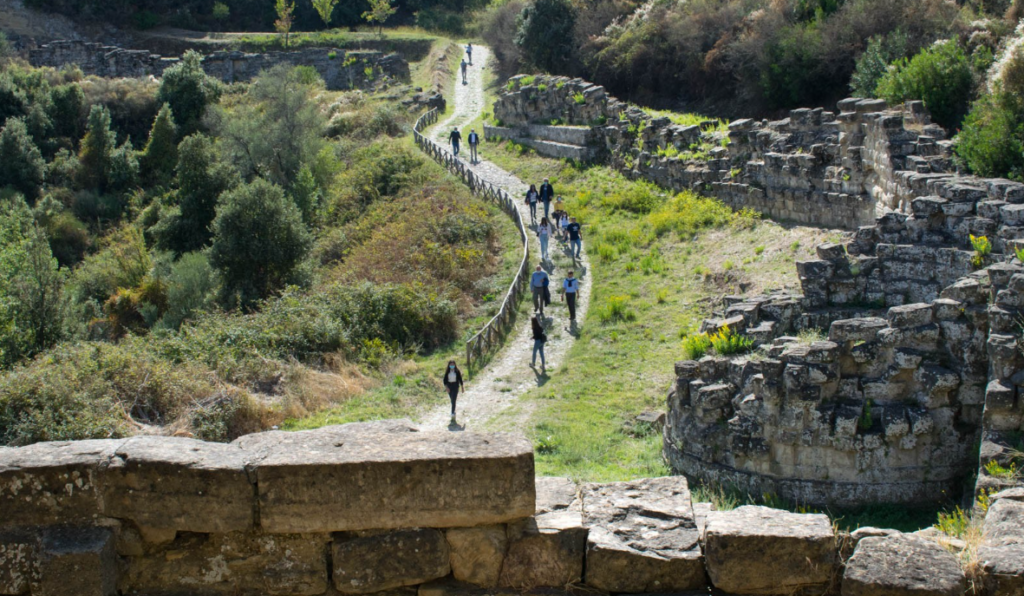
(339, 69)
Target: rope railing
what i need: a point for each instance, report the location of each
(495, 329)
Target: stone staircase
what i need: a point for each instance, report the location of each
(561, 142)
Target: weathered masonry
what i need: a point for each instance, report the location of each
(815, 167)
(340, 69)
(380, 508)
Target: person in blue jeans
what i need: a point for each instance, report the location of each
(575, 237)
(532, 196)
(455, 137)
(538, 281)
(539, 337)
(544, 232)
(547, 194)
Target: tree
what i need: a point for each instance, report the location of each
(544, 33)
(188, 90)
(325, 8)
(259, 240)
(67, 104)
(380, 11)
(201, 179)
(221, 12)
(285, 18)
(22, 165)
(97, 147)
(276, 130)
(872, 65)
(161, 154)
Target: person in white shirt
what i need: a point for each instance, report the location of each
(452, 380)
(571, 289)
(544, 231)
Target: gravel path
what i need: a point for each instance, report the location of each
(491, 399)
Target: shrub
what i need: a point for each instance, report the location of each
(13, 102)
(442, 20)
(124, 262)
(941, 76)
(982, 248)
(616, 308)
(23, 167)
(991, 143)
(259, 240)
(696, 346)
(726, 342)
(188, 91)
(66, 109)
(132, 104)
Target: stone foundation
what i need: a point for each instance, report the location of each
(346, 70)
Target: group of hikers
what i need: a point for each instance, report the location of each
(556, 223)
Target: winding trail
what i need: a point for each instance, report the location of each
(491, 399)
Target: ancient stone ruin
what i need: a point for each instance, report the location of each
(340, 69)
(377, 507)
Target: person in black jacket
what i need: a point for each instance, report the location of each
(452, 380)
(547, 194)
(455, 137)
(539, 337)
(474, 140)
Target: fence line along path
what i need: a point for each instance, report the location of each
(491, 400)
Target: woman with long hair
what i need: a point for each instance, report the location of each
(544, 231)
(539, 337)
(452, 380)
(532, 196)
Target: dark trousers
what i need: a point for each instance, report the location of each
(455, 147)
(453, 394)
(547, 208)
(533, 210)
(472, 151)
(570, 301)
(538, 300)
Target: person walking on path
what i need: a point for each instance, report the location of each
(539, 337)
(575, 238)
(455, 138)
(452, 380)
(538, 281)
(469, 53)
(547, 194)
(532, 196)
(570, 290)
(464, 65)
(474, 140)
(544, 232)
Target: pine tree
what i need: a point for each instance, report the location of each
(161, 154)
(21, 165)
(98, 145)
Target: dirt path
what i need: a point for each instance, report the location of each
(496, 389)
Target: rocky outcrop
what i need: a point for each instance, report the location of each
(339, 69)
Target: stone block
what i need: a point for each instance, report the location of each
(1004, 523)
(863, 329)
(477, 554)
(642, 537)
(52, 483)
(1002, 570)
(178, 484)
(77, 561)
(363, 479)
(19, 552)
(545, 551)
(382, 561)
(555, 493)
(230, 564)
(758, 550)
(910, 315)
(902, 565)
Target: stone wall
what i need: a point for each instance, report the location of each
(816, 167)
(380, 508)
(346, 70)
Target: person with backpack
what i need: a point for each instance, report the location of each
(547, 194)
(532, 196)
(538, 281)
(575, 237)
(544, 232)
(539, 337)
(455, 137)
(570, 290)
(464, 65)
(452, 380)
(469, 53)
(474, 140)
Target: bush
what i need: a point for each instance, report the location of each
(132, 104)
(123, 263)
(991, 143)
(872, 65)
(441, 20)
(191, 286)
(544, 33)
(941, 76)
(259, 240)
(727, 342)
(616, 308)
(696, 346)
